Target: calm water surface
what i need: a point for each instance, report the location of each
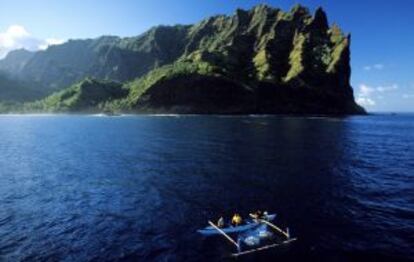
(136, 188)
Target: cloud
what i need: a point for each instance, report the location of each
(407, 96)
(365, 90)
(12, 36)
(363, 97)
(365, 101)
(367, 94)
(17, 37)
(374, 67)
(387, 88)
(51, 41)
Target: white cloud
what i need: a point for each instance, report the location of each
(51, 41)
(17, 37)
(12, 36)
(365, 90)
(364, 95)
(367, 95)
(387, 88)
(407, 96)
(374, 67)
(365, 101)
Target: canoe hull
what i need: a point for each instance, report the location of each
(251, 224)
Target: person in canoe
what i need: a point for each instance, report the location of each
(260, 215)
(220, 222)
(236, 220)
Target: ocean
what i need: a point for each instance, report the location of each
(137, 188)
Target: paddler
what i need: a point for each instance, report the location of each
(260, 215)
(257, 215)
(236, 220)
(265, 215)
(220, 222)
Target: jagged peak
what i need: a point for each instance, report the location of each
(241, 16)
(318, 24)
(296, 13)
(262, 18)
(300, 10)
(320, 19)
(263, 10)
(336, 34)
(207, 22)
(260, 8)
(241, 12)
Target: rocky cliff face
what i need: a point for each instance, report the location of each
(282, 62)
(262, 60)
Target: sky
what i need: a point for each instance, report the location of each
(382, 33)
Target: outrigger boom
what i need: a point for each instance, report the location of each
(285, 233)
(224, 234)
(263, 248)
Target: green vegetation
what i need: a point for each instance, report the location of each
(89, 95)
(296, 57)
(12, 90)
(139, 86)
(261, 62)
(278, 56)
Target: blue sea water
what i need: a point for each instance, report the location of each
(136, 188)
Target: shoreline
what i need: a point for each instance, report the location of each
(197, 115)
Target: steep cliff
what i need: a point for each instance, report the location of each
(280, 62)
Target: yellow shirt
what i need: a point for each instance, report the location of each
(236, 220)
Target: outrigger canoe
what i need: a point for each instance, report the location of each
(253, 223)
(248, 225)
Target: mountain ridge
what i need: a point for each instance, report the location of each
(273, 61)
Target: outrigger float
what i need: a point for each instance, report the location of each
(251, 228)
